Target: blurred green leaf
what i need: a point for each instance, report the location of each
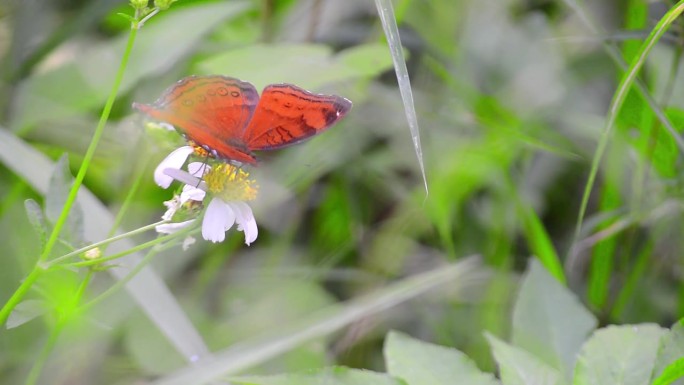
(549, 321)
(25, 311)
(55, 198)
(619, 355)
(418, 362)
(540, 242)
(669, 363)
(671, 373)
(328, 376)
(160, 45)
(35, 216)
(309, 66)
(519, 367)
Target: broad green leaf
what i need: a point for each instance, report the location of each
(55, 198)
(519, 367)
(328, 376)
(82, 85)
(26, 311)
(619, 355)
(35, 216)
(309, 66)
(549, 321)
(669, 363)
(418, 362)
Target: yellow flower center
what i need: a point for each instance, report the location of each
(230, 183)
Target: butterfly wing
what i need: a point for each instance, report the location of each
(287, 114)
(211, 111)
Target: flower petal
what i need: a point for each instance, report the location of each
(192, 192)
(171, 207)
(198, 169)
(170, 228)
(174, 160)
(245, 221)
(218, 219)
(185, 177)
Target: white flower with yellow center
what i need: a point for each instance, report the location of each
(228, 187)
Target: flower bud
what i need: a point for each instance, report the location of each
(163, 4)
(139, 4)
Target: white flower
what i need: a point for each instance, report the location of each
(228, 188)
(175, 160)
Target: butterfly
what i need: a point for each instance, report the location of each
(227, 118)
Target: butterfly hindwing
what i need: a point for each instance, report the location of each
(287, 114)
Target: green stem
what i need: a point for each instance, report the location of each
(104, 242)
(38, 365)
(78, 181)
(26, 284)
(124, 253)
(129, 198)
(120, 283)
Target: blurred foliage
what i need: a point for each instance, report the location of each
(511, 96)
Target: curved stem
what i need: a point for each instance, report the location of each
(104, 242)
(73, 193)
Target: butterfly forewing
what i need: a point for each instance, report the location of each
(287, 114)
(212, 111)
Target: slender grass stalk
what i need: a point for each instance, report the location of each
(615, 105)
(38, 268)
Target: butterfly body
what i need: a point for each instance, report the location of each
(227, 117)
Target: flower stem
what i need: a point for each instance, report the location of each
(120, 283)
(38, 365)
(124, 253)
(129, 198)
(104, 242)
(78, 181)
(20, 292)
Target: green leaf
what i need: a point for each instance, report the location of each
(669, 365)
(58, 191)
(307, 65)
(26, 311)
(82, 85)
(549, 321)
(623, 355)
(519, 367)
(418, 362)
(327, 376)
(671, 373)
(540, 241)
(35, 216)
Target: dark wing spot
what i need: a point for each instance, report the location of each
(235, 94)
(331, 116)
(223, 91)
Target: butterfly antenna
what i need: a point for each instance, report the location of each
(205, 163)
